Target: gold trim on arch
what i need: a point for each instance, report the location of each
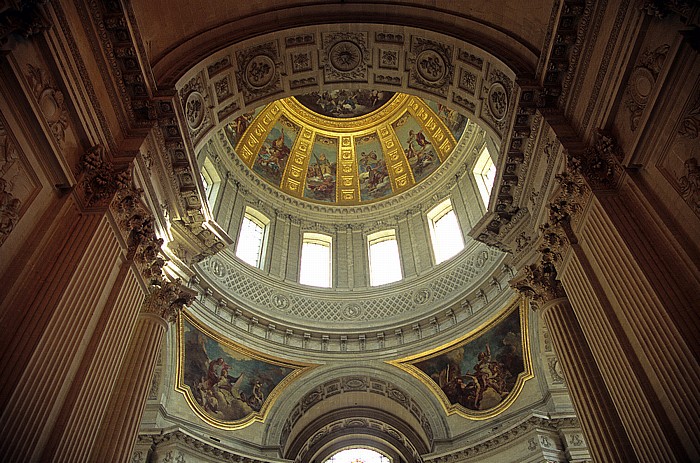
(298, 370)
(406, 364)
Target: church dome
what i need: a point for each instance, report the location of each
(346, 147)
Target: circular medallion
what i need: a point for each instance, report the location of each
(498, 101)
(194, 110)
(218, 268)
(280, 301)
(260, 70)
(422, 296)
(352, 311)
(431, 65)
(641, 84)
(345, 56)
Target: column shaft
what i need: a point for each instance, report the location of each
(606, 437)
(121, 422)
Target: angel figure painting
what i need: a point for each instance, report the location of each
(226, 383)
(479, 374)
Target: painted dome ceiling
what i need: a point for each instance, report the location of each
(346, 147)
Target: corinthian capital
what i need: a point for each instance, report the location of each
(600, 164)
(99, 179)
(539, 283)
(167, 299)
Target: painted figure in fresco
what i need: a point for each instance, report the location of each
(488, 374)
(419, 151)
(375, 171)
(235, 130)
(273, 156)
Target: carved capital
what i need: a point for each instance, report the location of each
(135, 222)
(167, 299)
(600, 163)
(99, 180)
(539, 283)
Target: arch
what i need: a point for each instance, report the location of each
(331, 389)
(485, 33)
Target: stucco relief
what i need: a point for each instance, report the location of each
(345, 56)
(51, 102)
(259, 71)
(18, 183)
(641, 82)
(430, 65)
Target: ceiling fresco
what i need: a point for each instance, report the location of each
(346, 147)
(480, 375)
(226, 384)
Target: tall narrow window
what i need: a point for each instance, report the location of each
(251, 239)
(316, 262)
(485, 174)
(384, 260)
(445, 232)
(211, 180)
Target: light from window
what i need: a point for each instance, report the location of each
(445, 232)
(384, 260)
(358, 455)
(211, 180)
(316, 261)
(251, 239)
(485, 174)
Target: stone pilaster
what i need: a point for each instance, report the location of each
(604, 432)
(121, 422)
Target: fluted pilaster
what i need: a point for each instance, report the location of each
(605, 434)
(607, 440)
(121, 422)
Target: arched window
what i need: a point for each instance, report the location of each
(445, 232)
(252, 238)
(358, 455)
(316, 260)
(384, 260)
(485, 174)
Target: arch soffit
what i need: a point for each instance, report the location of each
(518, 53)
(332, 384)
(355, 426)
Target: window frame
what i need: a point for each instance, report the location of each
(261, 221)
(436, 214)
(379, 237)
(210, 177)
(482, 171)
(316, 239)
